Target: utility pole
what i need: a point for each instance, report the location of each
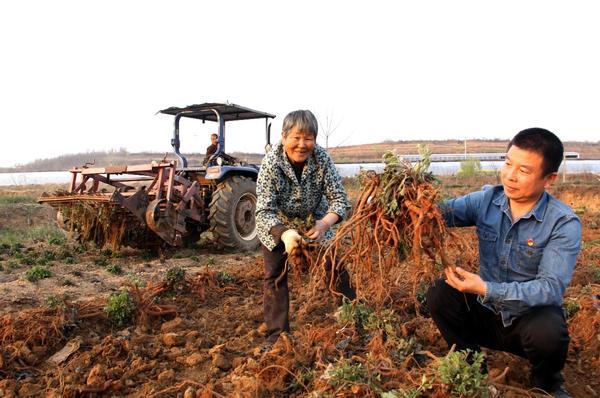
(564, 165)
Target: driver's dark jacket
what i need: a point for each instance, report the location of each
(209, 151)
(319, 191)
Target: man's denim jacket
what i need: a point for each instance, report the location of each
(525, 264)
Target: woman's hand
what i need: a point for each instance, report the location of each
(322, 226)
(291, 240)
(317, 232)
(465, 281)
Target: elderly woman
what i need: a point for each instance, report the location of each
(297, 179)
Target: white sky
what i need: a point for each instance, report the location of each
(81, 75)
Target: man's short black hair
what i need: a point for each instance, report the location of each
(543, 142)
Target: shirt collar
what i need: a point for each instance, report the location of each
(538, 210)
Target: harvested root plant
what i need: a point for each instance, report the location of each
(396, 235)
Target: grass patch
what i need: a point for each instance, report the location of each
(455, 185)
(10, 266)
(10, 238)
(101, 262)
(136, 280)
(111, 253)
(15, 199)
(304, 377)
(36, 273)
(464, 379)
(27, 258)
(469, 168)
(67, 256)
(114, 269)
(54, 301)
(225, 278)
(345, 372)
(120, 308)
(403, 348)
(46, 233)
(590, 243)
(40, 233)
(586, 290)
(355, 313)
(367, 318)
(410, 393)
(571, 307)
(66, 282)
(45, 257)
(594, 256)
(174, 275)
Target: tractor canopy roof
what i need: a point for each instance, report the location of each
(227, 111)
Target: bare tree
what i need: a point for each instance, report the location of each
(328, 127)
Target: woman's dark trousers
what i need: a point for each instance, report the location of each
(276, 300)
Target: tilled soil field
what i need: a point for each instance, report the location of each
(88, 322)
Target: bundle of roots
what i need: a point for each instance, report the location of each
(306, 255)
(396, 235)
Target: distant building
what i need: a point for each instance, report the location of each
(457, 157)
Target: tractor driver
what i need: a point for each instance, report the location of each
(212, 148)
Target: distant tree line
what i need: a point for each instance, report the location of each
(113, 157)
(340, 154)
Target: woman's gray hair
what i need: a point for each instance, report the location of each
(303, 119)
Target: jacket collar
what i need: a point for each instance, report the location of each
(538, 210)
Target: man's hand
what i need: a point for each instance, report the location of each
(464, 281)
(291, 239)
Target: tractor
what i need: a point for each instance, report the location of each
(167, 202)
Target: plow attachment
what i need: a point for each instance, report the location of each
(138, 206)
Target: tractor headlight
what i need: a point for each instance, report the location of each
(220, 161)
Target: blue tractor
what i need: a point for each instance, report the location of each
(168, 201)
(228, 185)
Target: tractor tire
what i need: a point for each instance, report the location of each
(231, 216)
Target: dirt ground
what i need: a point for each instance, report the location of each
(197, 329)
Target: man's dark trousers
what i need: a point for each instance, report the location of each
(276, 300)
(539, 335)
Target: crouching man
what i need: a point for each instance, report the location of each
(528, 245)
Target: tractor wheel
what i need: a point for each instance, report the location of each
(232, 211)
